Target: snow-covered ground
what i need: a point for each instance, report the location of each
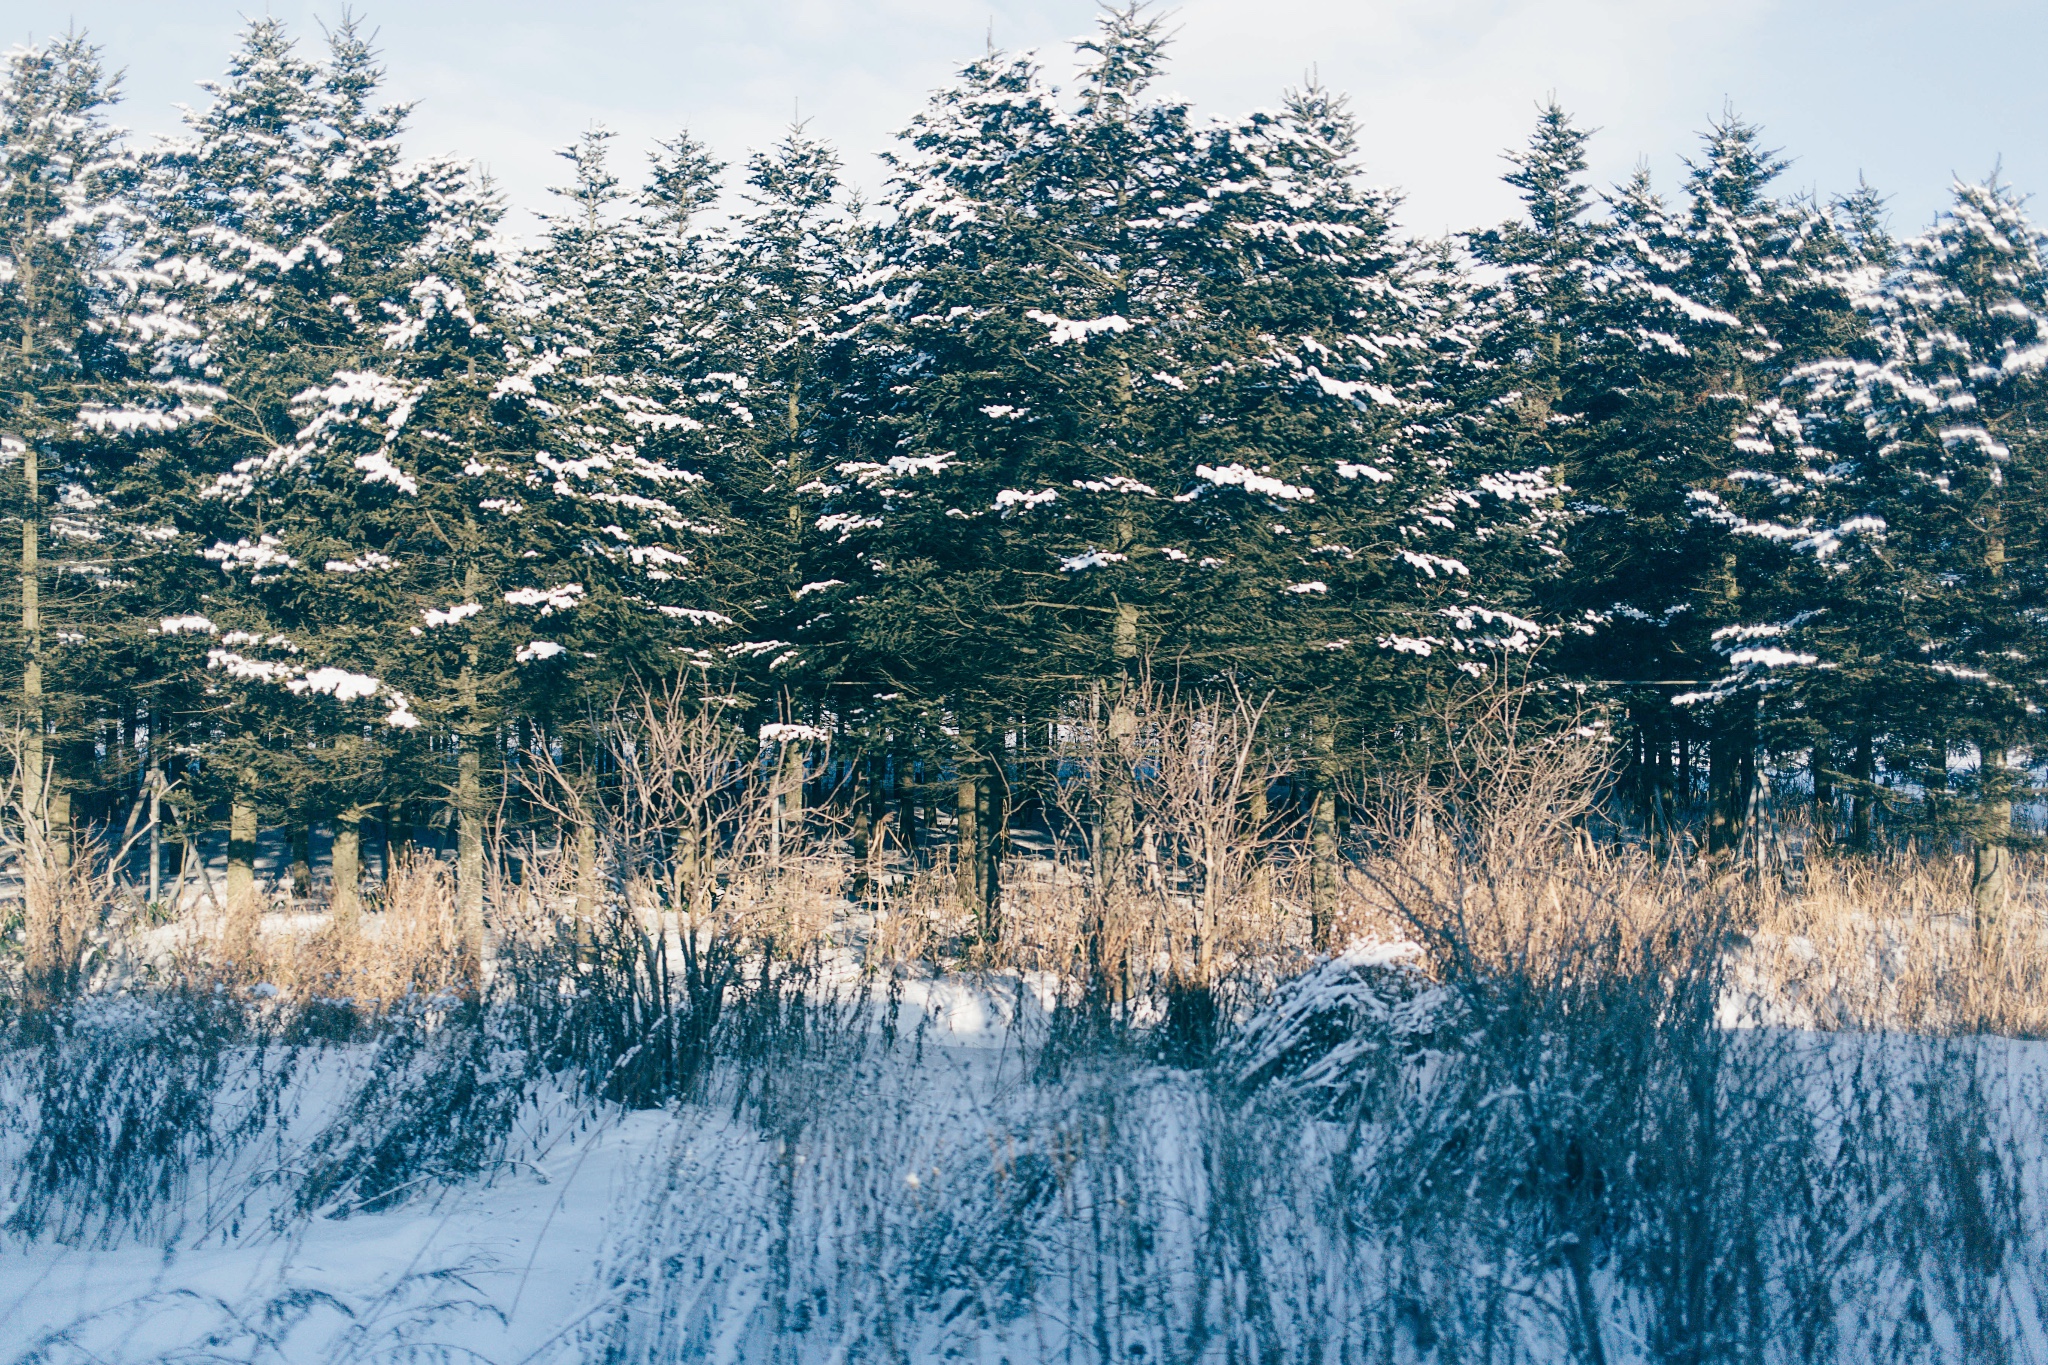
(521, 1266)
(940, 1194)
(503, 1270)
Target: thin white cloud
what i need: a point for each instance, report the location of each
(1904, 90)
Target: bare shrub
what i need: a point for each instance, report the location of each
(64, 899)
(701, 902)
(1201, 895)
(409, 946)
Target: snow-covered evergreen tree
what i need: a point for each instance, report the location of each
(1698, 318)
(265, 234)
(1916, 505)
(620, 373)
(325, 507)
(62, 176)
(1155, 389)
(788, 268)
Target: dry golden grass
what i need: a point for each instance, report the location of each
(1864, 943)
(1889, 942)
(1485, 864)
(1882, 942)
(406, 945)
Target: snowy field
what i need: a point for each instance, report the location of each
(528, 1262)
(1366, 1173)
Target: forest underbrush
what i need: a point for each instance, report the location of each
(1542, 1094)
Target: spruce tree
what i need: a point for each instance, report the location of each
(62, 176)
(1918, 512)
(1698, 318)
(622, 373)
(261, 238)
(1155, 391)
(327, 294)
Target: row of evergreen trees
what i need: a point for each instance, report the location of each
(332, 503)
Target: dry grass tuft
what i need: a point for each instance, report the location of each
(1482, 857)
(1888, 943)
(406, 944)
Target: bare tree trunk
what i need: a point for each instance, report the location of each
(991, 821)
(979, 807)
(156, 829)
(1118, 820)
(1866, 786)
(60, 821)
(34, 759)
(967, 837)
(469, 853)
(469, 797)
(863, 832)
(347, 902)
(906, 806)
(585, 839)
(44, 903)
(302, 858)
(1726, 799)
(1323, 850)
(586, 862)
(878, 799)
(1117, 753)
(1990, 879)
(791, 796)
(1818, 762)
(243, 913)
(397, 823)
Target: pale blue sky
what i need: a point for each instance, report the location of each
(1905, 91)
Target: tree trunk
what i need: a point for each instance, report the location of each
(1866, 788)
(397, 834)
(1818, 764)
(878, 800)
(876, 852)
(863, 832)
(1323, 851)
(469, 797)
(586, 861)
(1113, 835)
(906, 806)
(968, 865)
(347, 902)
(1990, 879)
(469, 854)
(60, 821)
(244, 914)
(991, 821)
(156, 831)
(1727, 795)
(34, 759)
(790, 799)
(302, 859)
(1118, 820)
(585, 836)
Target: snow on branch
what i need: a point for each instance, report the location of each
(1093, 559)
(1237, 476)
(1065, 330)
(549, 600)
(782, 733)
